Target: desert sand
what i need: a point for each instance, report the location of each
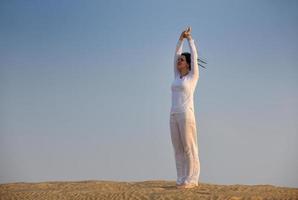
(151, 189)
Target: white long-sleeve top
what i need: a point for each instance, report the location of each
(183, 88)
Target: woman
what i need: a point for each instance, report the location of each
(182, 116)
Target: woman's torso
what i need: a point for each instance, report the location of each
(182, 94)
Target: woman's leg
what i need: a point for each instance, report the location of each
(178, 149)
(187, 127)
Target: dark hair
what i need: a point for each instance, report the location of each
(188, 60)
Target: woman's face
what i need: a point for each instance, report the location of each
(181, 63)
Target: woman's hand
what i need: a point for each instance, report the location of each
(186, 34)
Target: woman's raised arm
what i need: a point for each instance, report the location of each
(178, 52)
(194, 59)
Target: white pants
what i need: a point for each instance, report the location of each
(184, 140)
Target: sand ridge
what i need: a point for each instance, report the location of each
(139, 190)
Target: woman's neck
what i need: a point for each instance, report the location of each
(183, 73)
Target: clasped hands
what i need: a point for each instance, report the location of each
(186, 34)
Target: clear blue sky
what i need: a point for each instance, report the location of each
(85, 90)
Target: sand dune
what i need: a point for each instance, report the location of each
(153, 189)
